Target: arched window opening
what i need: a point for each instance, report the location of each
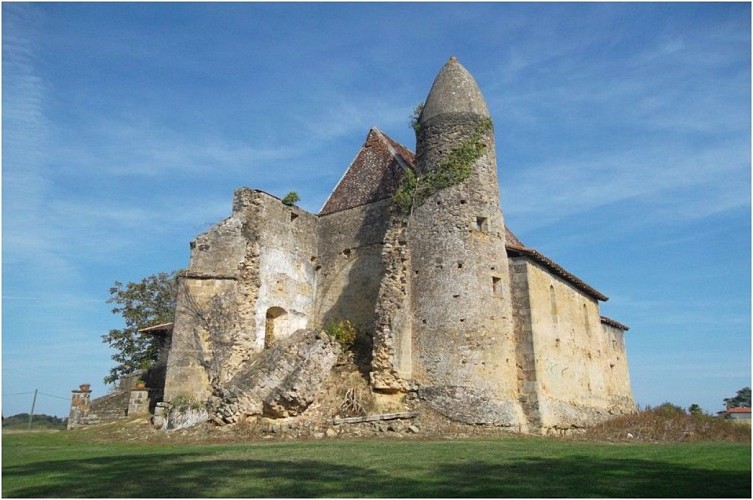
(276, 317)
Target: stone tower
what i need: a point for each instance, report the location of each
(463, 348)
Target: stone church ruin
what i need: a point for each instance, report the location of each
(458, 313)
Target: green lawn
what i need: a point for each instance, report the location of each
(68, 464)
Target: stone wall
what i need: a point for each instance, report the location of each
(350, 264)
(391, 365)
(197, 320)
(251, 280)
(618, 386)
(287, 247)
(80, 408)
(110, 407)
(571, 370)
(525, 355)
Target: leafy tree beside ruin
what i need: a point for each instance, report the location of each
(148, 302)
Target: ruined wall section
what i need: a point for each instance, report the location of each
(391, 365)
(286, 239)
(570, 350)
(209, 283)
(350, 264)
(220, 316)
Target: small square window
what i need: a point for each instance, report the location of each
(482, 224)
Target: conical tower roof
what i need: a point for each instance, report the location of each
(454, 91)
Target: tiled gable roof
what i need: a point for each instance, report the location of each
(374, 174)
(511, 239)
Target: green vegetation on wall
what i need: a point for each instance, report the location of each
(415, 117)
(452, 170)
(343, 331)
(291, 199)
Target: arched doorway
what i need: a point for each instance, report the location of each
(275, 324)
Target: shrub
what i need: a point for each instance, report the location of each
(183, 403)
(291, 199)
(667, 409)
(343, 331)
(415, 117)
(695, 409)
(666, 424)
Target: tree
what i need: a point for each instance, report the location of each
(148, 302)
(741, 399)
(40, 421)
(695, 409)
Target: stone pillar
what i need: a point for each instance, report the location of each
(138, 404)
(161, 414)
(80, 403)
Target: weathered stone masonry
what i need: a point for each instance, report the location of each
(481, 327)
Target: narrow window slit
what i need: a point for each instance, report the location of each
(496, 286)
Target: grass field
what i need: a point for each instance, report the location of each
(70, 464)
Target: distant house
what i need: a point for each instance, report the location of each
(739, 413)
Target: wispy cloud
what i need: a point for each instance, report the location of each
(670, 183)
(654, 131)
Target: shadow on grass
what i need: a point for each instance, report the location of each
(197, 475)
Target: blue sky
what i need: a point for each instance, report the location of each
(623, 139)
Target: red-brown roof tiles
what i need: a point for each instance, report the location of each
(738, 410)
(373, 175)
